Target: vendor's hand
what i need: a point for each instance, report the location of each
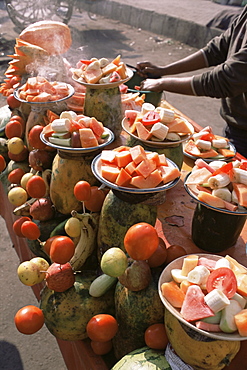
(151, 85)
(147, 69)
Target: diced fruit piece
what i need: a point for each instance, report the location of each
(145, 168)
(194, 307)
(208, 327)
(241, 192)
(191, 148)
(209, 263)
(241, 322)
(123, 178)
(189, 262)
(210, 199)
(130, 115)
(179, 125)
(110, 173)
(123, 158)
(142, 132)
(137, 153)
(227, 322)
(108, 156)
(87, 137)
(153, 180)
(108, 69)
(173, 294)
(169, 173)
(92, 76)
(227, 153)
(130, 168)
(96, 126)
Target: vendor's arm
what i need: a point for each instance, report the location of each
(193, 62)
(179, 85)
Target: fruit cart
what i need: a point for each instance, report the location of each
(174, 225)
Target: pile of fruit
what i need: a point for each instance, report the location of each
(74, 130)
(220, 184)
(157, 124)
(205, 144)
(209, 293)
(100, 71)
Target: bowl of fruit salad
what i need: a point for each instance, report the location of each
(207, 293)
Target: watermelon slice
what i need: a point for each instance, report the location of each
(194, 307)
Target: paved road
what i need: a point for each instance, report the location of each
(99, 38)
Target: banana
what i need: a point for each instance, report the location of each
(88, 238)
(219, 181)
(23, 210)
(223, 193)
(216, 300)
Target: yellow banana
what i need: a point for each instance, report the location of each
(88, 238)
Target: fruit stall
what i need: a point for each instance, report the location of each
(128, 218)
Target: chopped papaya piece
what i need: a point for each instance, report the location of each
(145, 167)
(174, 295)
(123, 158)
(137, 153)
(211, 199)
(153, 180)
(142, 132)
(169, 173)
(123, 179)
(110, 173)
(87, 137)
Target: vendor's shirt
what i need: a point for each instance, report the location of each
(228, 79)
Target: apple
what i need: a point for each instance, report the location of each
(17, 196)
(29, 273)
(40, 160)
(42, 209)
(114, 262)
(137, 276)
(60, 277)
(41, 263)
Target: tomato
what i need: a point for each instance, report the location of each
(150, 118)
(155, 336)
(141, 241)
(2, 163)
(29, 319)
(101, 348)
(47, 244)
(34, 137)
(30, 230)
(17, 225)
(159, 256)
(15, 176)
(207, 137)
(223, 279)
(13, 102)
(173, 252)
(95, 203)
(243, 165)
(13, 129)
(62, 249)
(82, 191)
(102, 327)
(36, 187)
(226, 168)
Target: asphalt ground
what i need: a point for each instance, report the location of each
(101, 37)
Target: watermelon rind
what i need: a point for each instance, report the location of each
(143, 358)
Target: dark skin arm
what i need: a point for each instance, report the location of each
(180, 85)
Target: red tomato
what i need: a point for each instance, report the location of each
(15, 175)
(47, 244)
(30, 230)
(155, 336)
(34, 137)
(141, 241)
(223, 279)
(13, 102)
(102, 327)
(207, 137)
(82, 191)
(224, 169)
(22, 156)
(2, 163)
(159, 256)
(101, 348)
(95, 203)
(243, 165)
(36, 187)
(62, 249)
(29, 319)
(17, 225)
(173, 252)
(13, 129)
(150, 118)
